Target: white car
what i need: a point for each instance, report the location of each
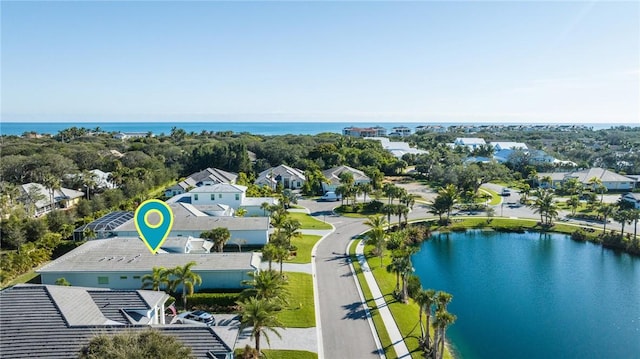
(330, 196)
(196, 317)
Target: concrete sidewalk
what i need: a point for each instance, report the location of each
(389, 322)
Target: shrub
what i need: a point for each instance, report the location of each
(579, 235)
(214, 302)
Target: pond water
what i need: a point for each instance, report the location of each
(534, 295)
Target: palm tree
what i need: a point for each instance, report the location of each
(449, 196)
(281, 254)
(395, 267)
(266, 284)
(426, 300)
(443, 320)
(187, 278)
(365, 188)
(52, 183)
(220, 236)
(597, 186)
(376, 234)
(241, 212)
(269, 253)
(89, 181)
(261, 316)
(264, 207)
(156, 279)
(606, 210)
(290, 230)
(573, 202)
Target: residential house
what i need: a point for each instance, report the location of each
(187, 222)
(48, 321)
(401, 131)
(38, 201)
(207, 177)
(231, 195)
(288, 177)
(333, 176)
(376, 131)
(121, 262)
(129, 135)
(611, 180)
(102, 227)
(632, 197)
(398, 148)
(471, 142)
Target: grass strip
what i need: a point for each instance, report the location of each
(304, 245)
(308, 222)
(288, 354)
(301, 311)
(381, 329)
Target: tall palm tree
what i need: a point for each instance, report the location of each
(269, 253)
(290, 229)
(426, 299)
(443, 320)
(281, 254)
(156, 279)
(52, 183)
(597, 186)
(261, 316)
(266, 284)
(396, 267)
(187, 278)
(89, 181)
(606, 210)
(448, 196)
(376, 235)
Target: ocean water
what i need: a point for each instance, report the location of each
(260, 128)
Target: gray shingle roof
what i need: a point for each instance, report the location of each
(33, 326)
(126, 254)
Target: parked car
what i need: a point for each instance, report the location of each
(330, 196)
(506, 192)
(196, 317)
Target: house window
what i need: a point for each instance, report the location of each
(213, 197)
(195, 197)
(136, 277)
(219, 195)
(123, 277)
(237, 196)
(103, 280)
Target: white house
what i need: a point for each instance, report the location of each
(398, 148)
(207, 177)
(288, 177)
(333, 176)
(471, 142)
(232, 195)
(506, 145)
(37, 198)
(401, 131)
(127, 135)
(121, 262)
(253, 230)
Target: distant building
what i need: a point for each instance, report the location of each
(207, 177)
(129, 135)
(37, 198)
(288, 177)
(376, 131)
(398, 148)
(611, 180)
(49, 321)
(333, 176)
(121, 262)
(471, 142)
(401, 131)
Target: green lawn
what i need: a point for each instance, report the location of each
(301, 312)
(288, 354)
(304, 244)
(24, 278)
(383, 335)
(495, 197)
(308, 222)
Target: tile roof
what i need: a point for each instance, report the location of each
(33, 325)
(204, 223)
(333, 174)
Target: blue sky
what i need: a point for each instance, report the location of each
(569, 62)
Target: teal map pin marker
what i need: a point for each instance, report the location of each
(153, 220)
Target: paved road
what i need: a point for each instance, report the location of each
(345, 330)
